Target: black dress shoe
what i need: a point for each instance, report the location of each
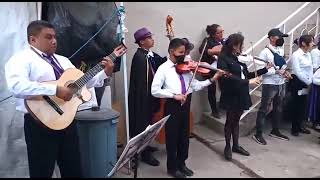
(176, 174)
(227, 153)
(186, 171)
(216, 114)
(240, 150)
(305, 131)
(150, 160)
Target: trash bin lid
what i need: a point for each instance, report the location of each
(102, 114)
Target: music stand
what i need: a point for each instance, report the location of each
(136, 145)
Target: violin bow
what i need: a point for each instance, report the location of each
(254, 63)
(198, 62)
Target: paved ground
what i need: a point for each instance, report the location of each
(297, 158)
(204, 162)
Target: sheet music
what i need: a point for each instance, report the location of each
(138, 143)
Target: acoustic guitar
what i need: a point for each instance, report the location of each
(55, 113)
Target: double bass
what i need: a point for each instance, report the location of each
(161, 113)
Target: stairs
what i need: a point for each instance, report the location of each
(246, 125)
(248, 119)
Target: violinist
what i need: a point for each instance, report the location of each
(214, 41)
(273, 87)
(167, 83)
(235, 96)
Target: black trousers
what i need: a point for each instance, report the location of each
(45, 147)
(231, 127)
(212, 97)
(298, 111)
(177, 133)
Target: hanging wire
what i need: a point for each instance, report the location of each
(2, 100)
(107, 22)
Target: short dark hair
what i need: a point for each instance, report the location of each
(212, 29)
(176, 43)
(232, 40)
(35, 27)
(306, 39)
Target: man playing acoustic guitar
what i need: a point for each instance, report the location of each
(24, 73)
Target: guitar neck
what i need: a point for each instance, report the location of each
(92, 72)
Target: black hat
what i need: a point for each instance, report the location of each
(188, 44)
(276, 32)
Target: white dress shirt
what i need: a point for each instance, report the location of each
(166, 82)
(316, 77)
(271, 77)
(315, 56)
(302, 66)
(26, 70)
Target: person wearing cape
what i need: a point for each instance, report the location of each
(142, 105)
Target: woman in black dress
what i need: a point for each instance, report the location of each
(235, 96)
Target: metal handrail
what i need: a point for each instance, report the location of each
(312, 29)
(317, 11)
(304, 29)
(303, 21)
(290, 33)
(281, 24)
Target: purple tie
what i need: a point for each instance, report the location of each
(57, 70)
(183, 86)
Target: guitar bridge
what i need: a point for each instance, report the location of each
(53, 104)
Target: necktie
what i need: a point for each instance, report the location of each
(57, 69)
(183, 86)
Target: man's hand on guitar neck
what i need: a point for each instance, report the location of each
(108, 63)
(64, 93)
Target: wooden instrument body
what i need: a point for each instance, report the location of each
(47, 115)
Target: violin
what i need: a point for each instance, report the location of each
(191, 66)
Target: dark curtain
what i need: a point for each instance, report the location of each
(75, 23)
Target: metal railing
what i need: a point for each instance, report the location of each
(281, 25)
(291, 34)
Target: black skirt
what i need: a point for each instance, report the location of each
(314, 104)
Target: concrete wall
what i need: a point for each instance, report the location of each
(253, 19)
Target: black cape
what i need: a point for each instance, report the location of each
(141, 103)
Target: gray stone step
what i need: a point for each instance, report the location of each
(246, 124)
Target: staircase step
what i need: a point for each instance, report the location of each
(246, 125)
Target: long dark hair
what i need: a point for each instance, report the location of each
(232, 40)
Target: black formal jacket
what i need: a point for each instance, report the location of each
(234, 90)
(141, 103)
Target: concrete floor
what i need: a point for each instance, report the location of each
(202, 160)
(297, 158)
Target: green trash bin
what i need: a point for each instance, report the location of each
(98, 141)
